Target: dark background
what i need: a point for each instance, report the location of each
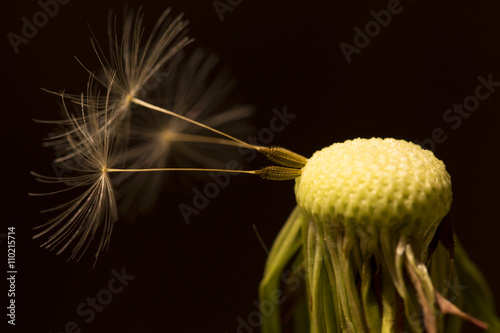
(201, 277)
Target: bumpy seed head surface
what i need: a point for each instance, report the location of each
(381, 183)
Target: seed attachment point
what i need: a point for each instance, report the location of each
(284, 156)
(278, 173)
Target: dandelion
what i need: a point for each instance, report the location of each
(369, 216)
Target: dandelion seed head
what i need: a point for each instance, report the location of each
(377, 186)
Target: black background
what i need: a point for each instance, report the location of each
(201, 277)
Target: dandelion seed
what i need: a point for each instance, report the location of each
(157, 141)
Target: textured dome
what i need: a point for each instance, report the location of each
(381, 183)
